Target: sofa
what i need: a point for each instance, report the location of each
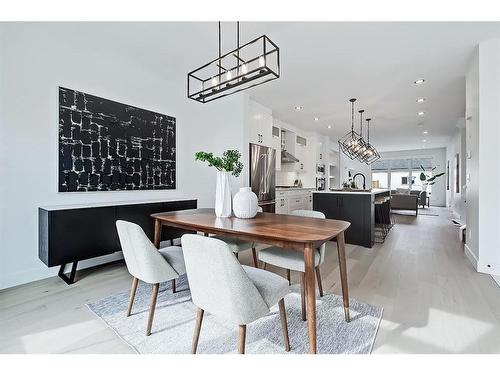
(405, 202)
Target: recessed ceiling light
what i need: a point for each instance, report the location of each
(426, 132)
(421, 113)
(329, 126)
(424, 140)
(419, 81)
(298, 108)
(420, 100)
(316, 119)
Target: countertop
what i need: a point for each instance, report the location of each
(111, 203)
(372, 192)
(294, 188)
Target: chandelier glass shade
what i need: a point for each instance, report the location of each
(350, 143)
(249, 65)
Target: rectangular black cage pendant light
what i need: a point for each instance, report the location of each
(350, 143)
(371, 154)
(249, 65)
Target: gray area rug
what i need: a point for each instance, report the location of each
(175, 315)
(421, 211)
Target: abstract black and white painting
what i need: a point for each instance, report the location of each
(106, 145)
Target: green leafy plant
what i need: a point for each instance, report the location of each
(426, 179)
(229, 162)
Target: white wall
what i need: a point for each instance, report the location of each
(355, 166)
(35, 60)
(456, 201)
(483, 138)
(472, 161)
(438, 155)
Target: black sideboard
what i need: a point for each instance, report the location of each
(74, 233)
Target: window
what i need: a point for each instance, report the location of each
(401, 173)
(380, 180)
(400, 179)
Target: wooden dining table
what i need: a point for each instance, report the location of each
(286, 231)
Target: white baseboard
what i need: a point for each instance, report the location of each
(471, 256)
(42, 272)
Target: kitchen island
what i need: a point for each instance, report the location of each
(354, 206)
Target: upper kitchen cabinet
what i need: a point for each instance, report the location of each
(259, 121)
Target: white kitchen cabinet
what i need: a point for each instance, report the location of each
(290, 200)
(260, 122)
(281, 203)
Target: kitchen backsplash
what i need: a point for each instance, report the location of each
(285, 178)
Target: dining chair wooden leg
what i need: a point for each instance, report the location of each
(310, 296)
(343, 274)
(264, 265)
(132, 295)
(288, 277)
(174, 289)
(284, 324)
(242, 339)
(320, 286)
(152, 307)
(303, 295)
(255, 261)
(197, 329)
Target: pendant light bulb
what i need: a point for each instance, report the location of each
(262, 62)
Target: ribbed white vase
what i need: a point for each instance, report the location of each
(223, 195)
(245, 203)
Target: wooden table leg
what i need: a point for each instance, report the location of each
(157, 233)
(343, 274)
(310, 296)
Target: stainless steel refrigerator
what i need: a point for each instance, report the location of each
(263, 175)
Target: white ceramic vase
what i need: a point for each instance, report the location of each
(223, 195)
(245, 204)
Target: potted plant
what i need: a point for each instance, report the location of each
(426, 179)
(227, 164)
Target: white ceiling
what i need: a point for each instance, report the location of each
(323, 64)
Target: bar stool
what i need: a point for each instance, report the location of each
(382, 218)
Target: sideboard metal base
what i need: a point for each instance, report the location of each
(71, 279)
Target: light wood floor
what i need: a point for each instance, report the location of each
(433, 300)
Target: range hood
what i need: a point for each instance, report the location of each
(286, 157)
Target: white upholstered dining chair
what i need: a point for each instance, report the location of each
(294, 260)
(148, 264)
(236, 245)
(221, 286)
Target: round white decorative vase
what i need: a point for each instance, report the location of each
(223, 195)
(245, 203)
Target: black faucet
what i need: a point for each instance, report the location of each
(364, 179)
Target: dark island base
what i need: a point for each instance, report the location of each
(358, 209)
